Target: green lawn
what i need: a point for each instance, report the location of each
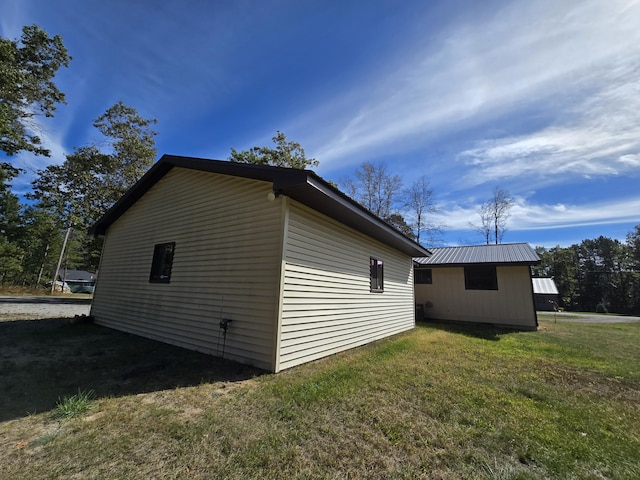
(442, 402)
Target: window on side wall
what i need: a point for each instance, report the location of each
(480, 277)
(376, 275)
(162, 263)
(422, 276)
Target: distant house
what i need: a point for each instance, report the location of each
(272, 266)
(479, 284)
(79, 281)
(546, 294)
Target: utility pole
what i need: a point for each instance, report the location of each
(64, 247)
(44, 259)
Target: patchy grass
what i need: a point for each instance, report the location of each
(17, 291)
(440, 401)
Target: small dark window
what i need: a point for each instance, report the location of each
(162, 263)
(422, 276)
(480, 278)
(376, 275)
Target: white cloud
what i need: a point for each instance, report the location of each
(601, 139)
(559, 208)
(630, 160)
(474, 72)
(530, 216)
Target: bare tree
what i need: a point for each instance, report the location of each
(374, 188)
(484, 228)
(419, 201)
(494, 214)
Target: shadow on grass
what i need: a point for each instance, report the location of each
(468, 329)
(42, 361)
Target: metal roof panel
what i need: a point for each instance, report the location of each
(506, 253)
(544, 286)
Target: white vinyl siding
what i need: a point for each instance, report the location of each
(226, 264)
(327, 304)
(511, 304)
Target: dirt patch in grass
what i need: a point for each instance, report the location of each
(588, 383)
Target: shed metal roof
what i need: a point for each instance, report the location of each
(507, 253)
(79, 275)
(545, 286)
(302, 185)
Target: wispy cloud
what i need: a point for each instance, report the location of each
(526, 216)
(476, 72)
(601, 137)
(31, 163)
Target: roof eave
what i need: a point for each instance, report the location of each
(301, 185)
(319, 195)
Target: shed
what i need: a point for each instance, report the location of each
(546, 294)
(479, 284)
(284, 264)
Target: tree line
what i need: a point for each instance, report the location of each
(596, 275)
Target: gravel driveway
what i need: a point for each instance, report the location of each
(43, 307)
(586, 317)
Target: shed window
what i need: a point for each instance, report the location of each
(422, 276)
(162, 263)
(376, 275)
(480, 278)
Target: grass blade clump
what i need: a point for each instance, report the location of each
(74, 405)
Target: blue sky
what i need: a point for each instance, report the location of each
(541, 98)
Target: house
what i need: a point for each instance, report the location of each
(79, 281)
(479, 284)
(546, 294)
(267, 266)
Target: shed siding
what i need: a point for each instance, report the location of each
(327, 304)
(226, 263)
(511, 304)
(546, 302)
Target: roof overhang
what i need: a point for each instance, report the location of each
(303, 186)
